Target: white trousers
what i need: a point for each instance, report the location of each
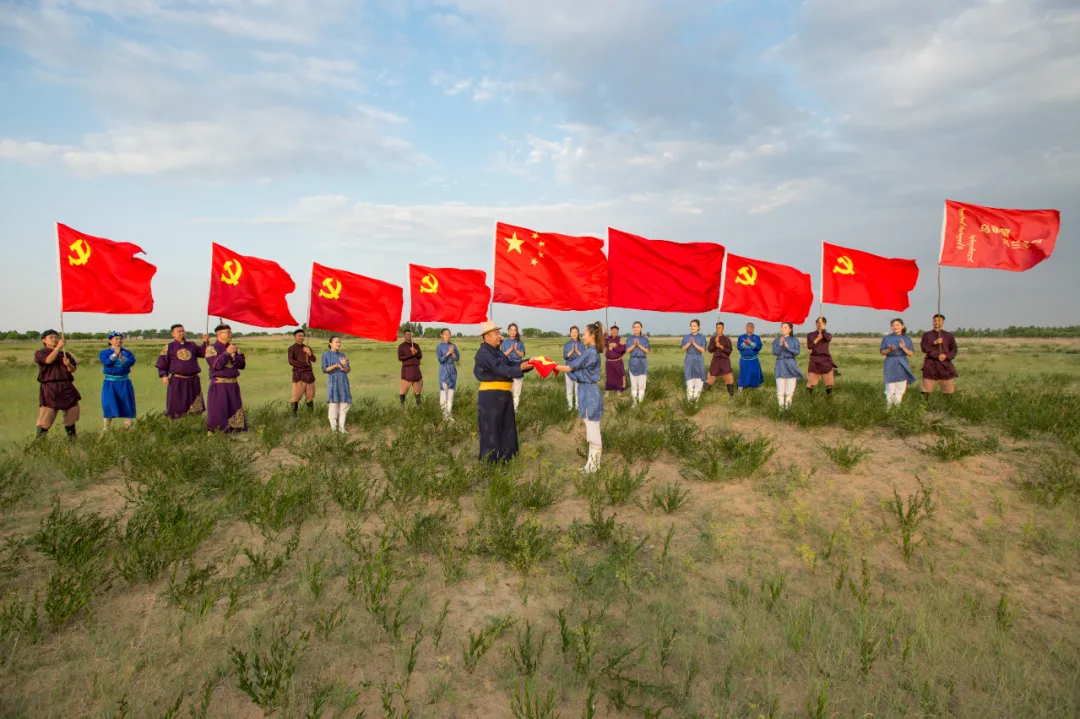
(592, 434)
(637, 386)
(517, 392)
(571, 392)
(894, 393)
(446, 400)
(785, 390)
(337, 412)
(694, 388)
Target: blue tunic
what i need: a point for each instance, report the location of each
(694, 362)
(519, 345)
(449, 355)
(337, 382)
(639, 361)
(786, 367)
(117, 392)
(571, 346)
(749, 366)
(496, 421)
(585, 370)
(896, 362)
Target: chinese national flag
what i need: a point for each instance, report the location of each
(663, 276)
(996, 239)
(544, 366)
(99, 275)
(550, 271)
(851, 277)
(249, 289)
(768, 291)
(448, 295)
(354, 305)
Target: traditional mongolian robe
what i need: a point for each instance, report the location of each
(820, 357)
(224, 405)
(518, 346)
(639, 361)
(586, 373)
(117, 392)
(570, 350)
(495, 404)
(57, 391)
(337, 382)
(786, 350)
(934, 368)
(749, 366)
(720, 347)
(449, 356)
(896, 362)
(694, 362)
(613, 366)
(410, 363)
(180, 363)
(301, 364)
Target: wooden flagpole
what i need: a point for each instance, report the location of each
(60, 283)
(941, 252)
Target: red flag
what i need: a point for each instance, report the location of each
(996, 239)
(663, 276)
(99, 275)
(547, 270)
(544, 366)
(354, 305)
(448, 295)
(766, 290)
(852, 277)
(249, 289)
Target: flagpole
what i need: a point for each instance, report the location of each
(821, 286)
(60, 282)
(209, 286)
(723, 282)
(494, 249)
(941, 252)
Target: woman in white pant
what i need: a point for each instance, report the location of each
(694, 345)
(573, 348)
(514, 349)
(638, 347)
(448, 355)
(335, 366)
(896, 348)
(585, 372)
(786, 348)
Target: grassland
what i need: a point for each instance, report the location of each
(727, 562)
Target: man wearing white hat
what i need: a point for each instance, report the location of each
(495, 400)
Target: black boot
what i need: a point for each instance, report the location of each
(708, 386)
(417, 399)
(810, 390)
(41, 432)
(731, 390)
(926, 396)
(828, 390)
(295, 407)
(401, 398)
(311, 406)
(70, 429)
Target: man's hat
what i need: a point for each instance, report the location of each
(488, 327)
(46, 333)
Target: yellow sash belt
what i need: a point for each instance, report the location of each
(500, 386)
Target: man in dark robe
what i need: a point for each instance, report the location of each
(178, 367)
(224, 405)
(614, 371)
(57, 392)
(940, 349)
(821, 362)
(303, 377)
(495, 399)
(720, 367)
(410, 355)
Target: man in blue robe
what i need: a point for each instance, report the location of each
(495, 398)
(117, 392)
(749, 344)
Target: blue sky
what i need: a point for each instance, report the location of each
(367, 135)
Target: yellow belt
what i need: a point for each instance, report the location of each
(498, 386)
(226, 380)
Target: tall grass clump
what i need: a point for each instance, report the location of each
(1052, 481)
(168, 524)
(910, 516)
(847, 455)
(728, 455)
(15, 482)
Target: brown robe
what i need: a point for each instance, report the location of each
(301, 364)
(410, 363)
(933, 368)
(721, 356)
(57, 389)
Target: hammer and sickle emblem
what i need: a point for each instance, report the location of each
(844, 266)
(231, 271)
(332, 289)
(81, 248)
(429, 284)
(747, 276)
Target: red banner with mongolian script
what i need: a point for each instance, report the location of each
(997, 239)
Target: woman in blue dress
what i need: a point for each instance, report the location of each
(749, 345)
(638, 346)
(449, 356)
(585, 371)
(573, 348)
(117, 392)
(514, 349)
(335, 366)
(786, 349)
(694, 345)
(896, 348)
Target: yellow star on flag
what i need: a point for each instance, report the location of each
(514, 244)
(534, 262)
(536, 237)
(541, 243)
(541, 255)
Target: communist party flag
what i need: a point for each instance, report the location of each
(249, 289)
(354, 305)
(550, 271)
(663, 276)
(448, 295)
(99, 275)
(766, 290)
(852, 277)
(996, 239)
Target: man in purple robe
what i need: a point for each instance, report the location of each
(940, 349)
(178, 367)
(57, 392)
(614, 370)
(409, 354)
(303, 377)
(224, 405)
(821, 363)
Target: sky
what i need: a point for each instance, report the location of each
(367, 134)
